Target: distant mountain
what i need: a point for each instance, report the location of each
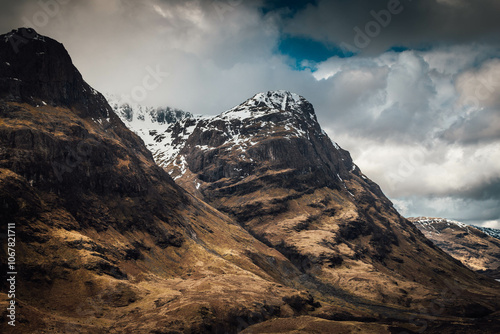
(478, 250)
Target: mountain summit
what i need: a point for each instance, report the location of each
(39, 70)
(272, 130)
(271, 102)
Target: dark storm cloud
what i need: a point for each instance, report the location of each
(377, 25)
(489, 189)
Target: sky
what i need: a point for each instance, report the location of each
(410, 87)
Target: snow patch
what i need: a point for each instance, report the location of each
(428, 223)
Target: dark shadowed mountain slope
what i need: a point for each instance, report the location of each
(39, 70)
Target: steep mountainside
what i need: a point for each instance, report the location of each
(468, 244)
(268, 164)
(107, 242)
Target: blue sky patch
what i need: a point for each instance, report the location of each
(398, 49)
(293, 5)
(308, 51)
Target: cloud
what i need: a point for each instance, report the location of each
(197, 42)
(479, 88)
(395, 96)
(480, 126)
(479, 96)
(489, 223)
(410, 130)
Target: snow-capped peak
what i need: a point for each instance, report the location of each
(430, 223)
(270, 102)
(278, 99)
(135, 115)
(152, 124)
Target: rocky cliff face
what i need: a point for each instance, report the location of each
(468, 244)
(107, 242)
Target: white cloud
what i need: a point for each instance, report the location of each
(480, 88)
(491, 224)
(396, 135)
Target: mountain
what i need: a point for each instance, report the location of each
(268, 164)
(137, 116)
(469, 244)
(278, 229)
